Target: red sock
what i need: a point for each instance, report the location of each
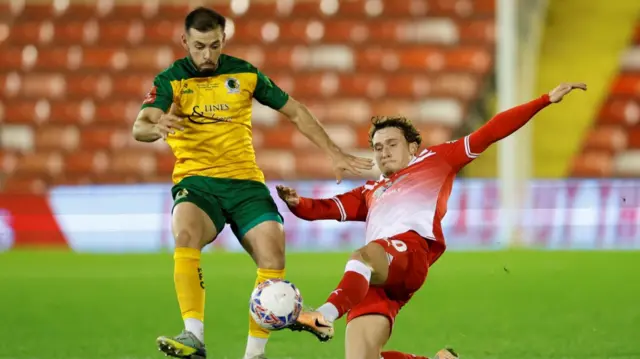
(398, 355)
(352, 288)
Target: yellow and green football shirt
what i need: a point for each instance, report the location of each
(216, 108)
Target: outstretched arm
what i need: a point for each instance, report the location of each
(463, 151)
(350, 206)
(509, 121)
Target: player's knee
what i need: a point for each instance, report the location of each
(372, 255)
(189, 239)
(271, 258)
(375, 257)
(267, 252)
(265, 244)
(359, 255)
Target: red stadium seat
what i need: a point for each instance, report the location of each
(75, 32)
(44, 58)
(99, 58)
(19, 184)
(57, 138)
(40, 163)
(42, 85)
(636, 34)
(86, 163)
(11, 58)
(313, 164)
(120, 113)
(160, 32)
(26, 32)
(622, 111)
(102, 138)
(609, 138)
(278, 162)
(8, 161)
(634, 137)
(165, 164)
(626, 85)
(130, 162)
(78, 112)
(593, 164)
(22, 111)
(148, 58)
(480, 31)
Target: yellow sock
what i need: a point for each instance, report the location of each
(255, 330)
(189, 282)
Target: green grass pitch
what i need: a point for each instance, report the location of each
(487, 305)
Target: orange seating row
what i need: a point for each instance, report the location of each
(477, 59)
(54, 85)
(621, 111)
(288, 31)
(626, 84)
(358, 8)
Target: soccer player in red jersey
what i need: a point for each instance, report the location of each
(403, 211)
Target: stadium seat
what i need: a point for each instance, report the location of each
(607, 138)
(593, 164)
(130, 162)
(85, 162)
(164, 165)
(52, 138)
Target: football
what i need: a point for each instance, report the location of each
(275, 304)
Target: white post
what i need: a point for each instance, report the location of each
(506, 72)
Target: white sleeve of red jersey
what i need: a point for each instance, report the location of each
(457, 153)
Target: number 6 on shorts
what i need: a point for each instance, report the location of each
(399, 245)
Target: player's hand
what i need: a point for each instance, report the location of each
(168, 124)
(343, 162)
(288, 195)
(559, 92)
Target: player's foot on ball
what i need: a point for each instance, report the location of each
(184, 345)
(446, 353)
(314, 323)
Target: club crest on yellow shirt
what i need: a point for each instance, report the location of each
(233, 85)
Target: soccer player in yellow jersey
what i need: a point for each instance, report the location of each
(201, 106)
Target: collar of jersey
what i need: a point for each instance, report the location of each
(413, 159)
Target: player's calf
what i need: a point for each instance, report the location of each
(367, 264)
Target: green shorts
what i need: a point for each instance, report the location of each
(242, 203)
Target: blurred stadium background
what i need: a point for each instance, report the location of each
(72, 78)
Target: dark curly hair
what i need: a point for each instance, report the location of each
(410, 132)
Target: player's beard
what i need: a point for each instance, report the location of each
(207, 70)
